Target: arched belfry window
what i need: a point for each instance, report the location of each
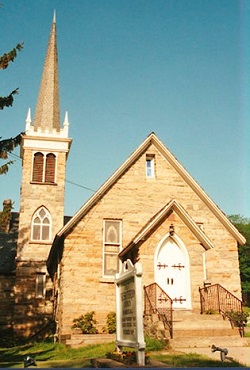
(44, 167)
(41, 225)
(50, 167)
(38, 167)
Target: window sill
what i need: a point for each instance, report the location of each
(109, 280)
(47, 242)
(43, 183)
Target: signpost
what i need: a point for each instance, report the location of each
(129, 313)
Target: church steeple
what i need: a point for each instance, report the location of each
(44, 151)
(47, 114)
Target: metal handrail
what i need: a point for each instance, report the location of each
(157, 301)
(216, 298)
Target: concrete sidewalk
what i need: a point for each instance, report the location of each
(240, 354)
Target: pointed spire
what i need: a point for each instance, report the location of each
(47, 115)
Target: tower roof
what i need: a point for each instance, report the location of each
(47, 114)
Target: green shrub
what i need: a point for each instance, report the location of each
(86, 323)
(111, 322)
(238, 318)
(153, 344)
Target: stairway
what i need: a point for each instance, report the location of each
(81, 340)
(195, 330)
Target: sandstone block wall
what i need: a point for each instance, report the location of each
(31, 313)
(135, 199)
(7, 284)
(34, 196)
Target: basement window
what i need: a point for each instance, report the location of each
(150, 165)
(40, 285)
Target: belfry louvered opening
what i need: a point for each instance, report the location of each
(50, 168)
(38, 167)
(44, 168)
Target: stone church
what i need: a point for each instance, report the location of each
(54, 269)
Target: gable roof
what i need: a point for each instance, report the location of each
(152, 139)
(159, 217)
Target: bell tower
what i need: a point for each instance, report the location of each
(44, 151)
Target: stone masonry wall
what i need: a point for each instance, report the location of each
(31, 313)
(34, 196)
(135, 199)
(7, 283)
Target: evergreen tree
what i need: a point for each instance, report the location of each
(7, 145)
(243, 225)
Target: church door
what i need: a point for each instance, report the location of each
(172, 271)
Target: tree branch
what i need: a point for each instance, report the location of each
(6, 58)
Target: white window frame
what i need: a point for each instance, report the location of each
(44, 166)
(40, 280)
(47, 215)
(106, 244)
(150, 165)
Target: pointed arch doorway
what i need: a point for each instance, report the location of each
(172, 271)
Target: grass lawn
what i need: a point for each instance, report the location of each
(191, 360)
(50, 355)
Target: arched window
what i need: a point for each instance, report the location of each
(111, 246)
(50, 168)
(41, 225)
(44, 167)
(38, 167)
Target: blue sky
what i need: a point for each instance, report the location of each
(130, 67)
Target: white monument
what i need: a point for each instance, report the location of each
(129, 311)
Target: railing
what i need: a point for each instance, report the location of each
(215, 298)
(157, 301)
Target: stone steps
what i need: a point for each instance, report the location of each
(195, 330)
(201, 321)
(205, 332)
(80, 340)
(208, 341)
(191, 329)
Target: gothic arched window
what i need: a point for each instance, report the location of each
(41, 225)
(111, 246)
(44, 167)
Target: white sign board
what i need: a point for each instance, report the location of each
(129, 312)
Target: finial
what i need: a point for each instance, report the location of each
(54, 17)
(66, 125)
(28, 120)
(66, 119)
